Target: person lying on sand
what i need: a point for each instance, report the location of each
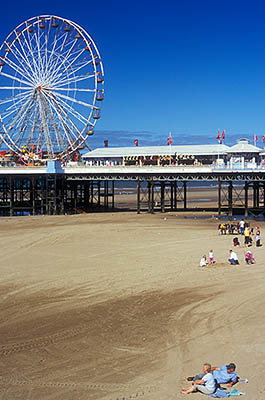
(223, 375)
(206, 384)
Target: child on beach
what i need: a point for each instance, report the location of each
(249, 258)
(211, 258)
(203, 261)
(205, 385)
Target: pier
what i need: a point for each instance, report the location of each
(43, 191)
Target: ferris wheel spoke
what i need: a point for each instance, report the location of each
(63, 111)
(65, 58)
(72, 99)
(47, 34)
(31, 71)
(48, 109)
(75, 113)
(14, 120)
(62, 115)
(68, 66)
(37, 41)
(21, 128)
(33, 65)
(52, 52)
(17, 54)
(45, 127)
(74, 89)
(59, 54)
(15, 88)
(74, 79)
(74, 71)
(19, 70)
(14, 78)
(16, 100)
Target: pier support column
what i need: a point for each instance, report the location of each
(162, 185)
(171, 196)
(86, 194)
(113, 194)
(11, 186)
(185, 194)
(230, 200)
(151, 196)
(106, 193)
(99, 194)
(246, 199)
(33, 195)
(138, 196)
(219, 198)
(175, 194)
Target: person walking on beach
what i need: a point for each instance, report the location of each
(247, 235)
(205, 385)
(233, 258)
(242, 226)
(211, 258)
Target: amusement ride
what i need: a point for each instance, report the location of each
(51, 90)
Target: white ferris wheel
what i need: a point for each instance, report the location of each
(51, 88)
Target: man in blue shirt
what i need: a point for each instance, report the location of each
(223, 375)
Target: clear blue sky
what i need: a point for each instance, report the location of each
(188, 67)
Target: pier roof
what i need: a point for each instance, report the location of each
(243, 146)
(112, 152)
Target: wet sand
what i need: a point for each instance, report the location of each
(114, 305)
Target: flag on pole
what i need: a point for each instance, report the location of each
(106, 143)
(263, 138)
(169, 139)
(255, 139)
(136, 142)
(218, 137)
(223, 134)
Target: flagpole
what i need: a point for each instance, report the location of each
(170, 145)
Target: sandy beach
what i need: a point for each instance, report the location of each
(114, 306)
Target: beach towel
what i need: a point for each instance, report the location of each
(235, 392)
(221, 393)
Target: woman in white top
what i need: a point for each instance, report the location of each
(206, 385)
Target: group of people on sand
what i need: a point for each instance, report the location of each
(245, 230)
(211, 378)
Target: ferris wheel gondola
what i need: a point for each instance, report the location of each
(51, 87)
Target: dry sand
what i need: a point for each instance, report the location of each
(114, 306)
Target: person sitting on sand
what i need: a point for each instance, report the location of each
(236, 242)
(223, 375)
(257, 238)
(233, 258)
(203, 261)
(206, 384)
(249, 258)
